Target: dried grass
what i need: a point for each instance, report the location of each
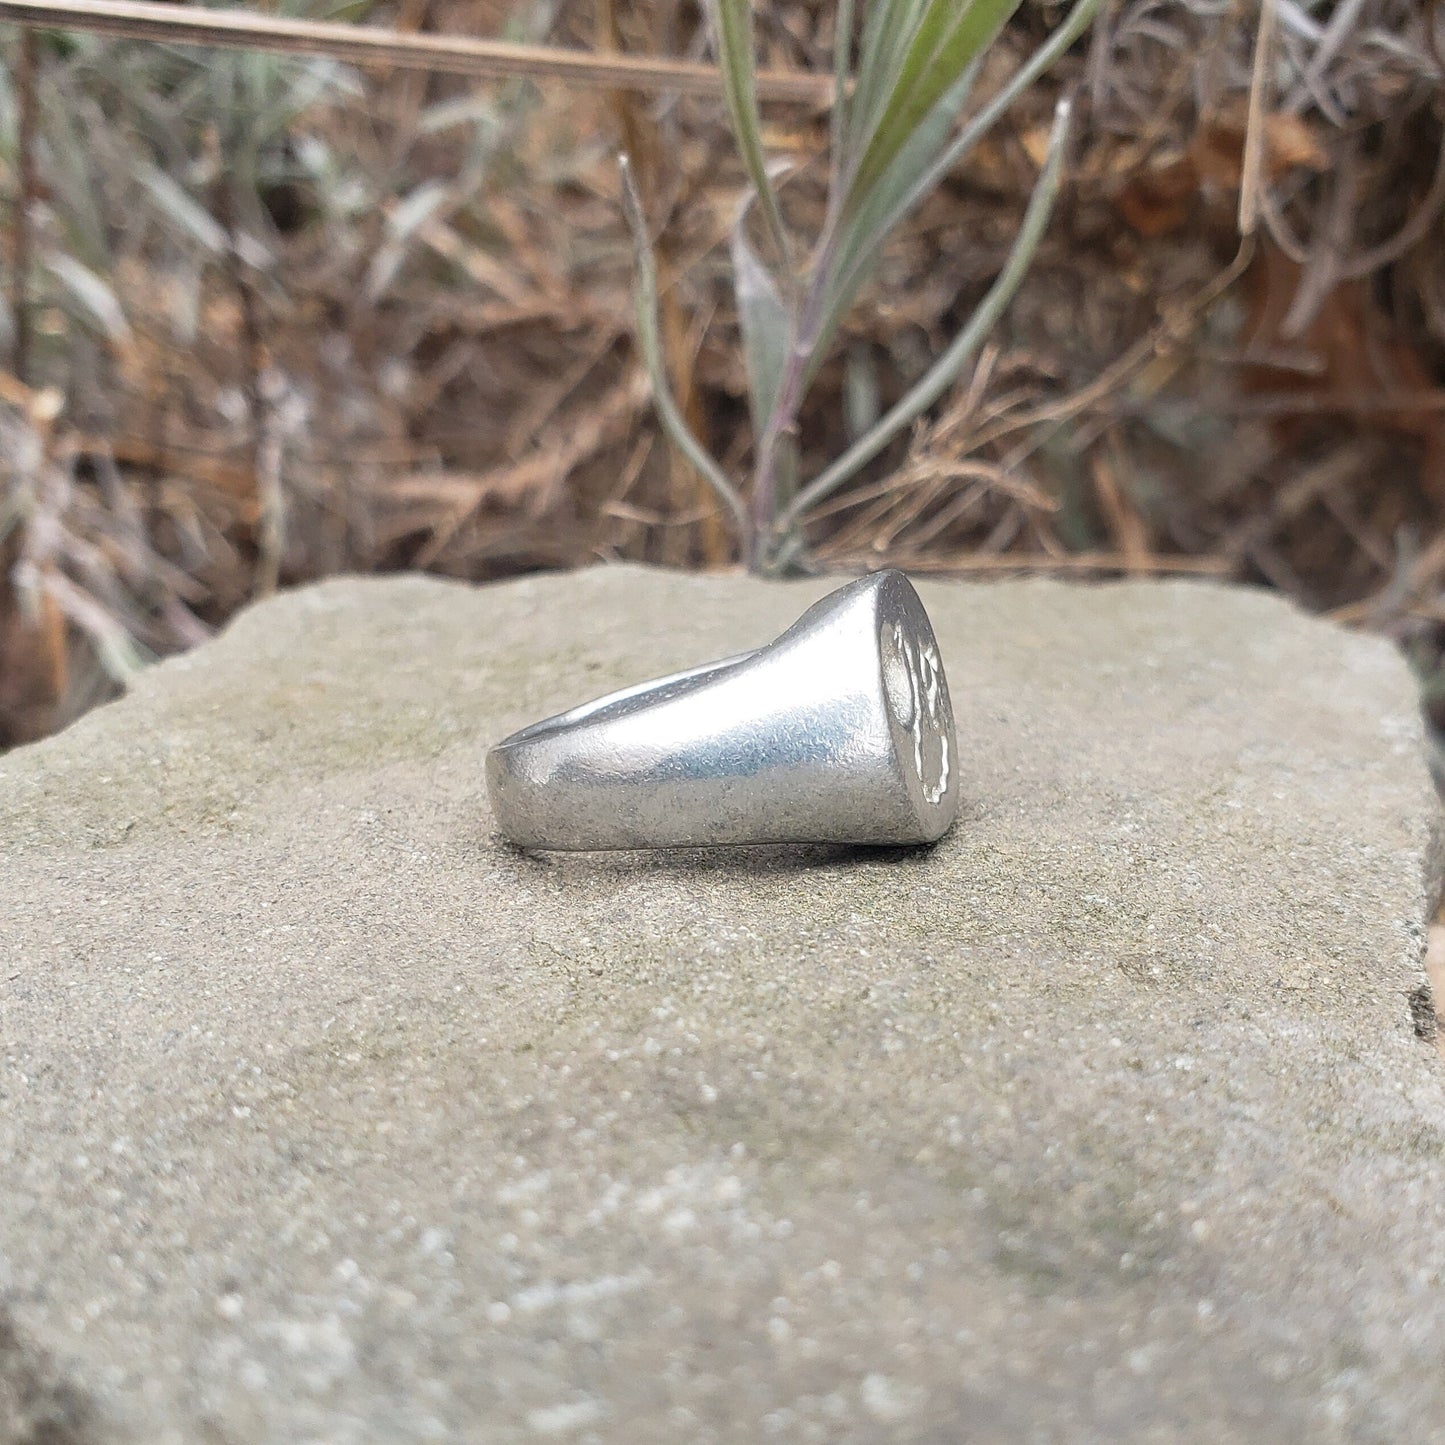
(378, 320)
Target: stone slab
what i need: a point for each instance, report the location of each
(326, 1117)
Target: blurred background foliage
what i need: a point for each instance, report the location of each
(268, 318)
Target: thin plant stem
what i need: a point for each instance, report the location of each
(1252, 166)
(842, 69)
(1080, 17)
(651, 341)
(733, 23)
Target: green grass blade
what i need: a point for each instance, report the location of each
(1079, 20)
(906, 184)
(861, 236)
(949, 39)
(888, 30)
(942, 374)
(767, 326)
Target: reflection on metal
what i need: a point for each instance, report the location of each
(840, 731)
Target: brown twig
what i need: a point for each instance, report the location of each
(1252, 179)
(1322, 403)
(1070, 562)
(372, 45)
(1127, 528)
(1167, 337)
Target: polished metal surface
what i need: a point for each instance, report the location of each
(840, 731)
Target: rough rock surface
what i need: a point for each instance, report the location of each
(326, 1117)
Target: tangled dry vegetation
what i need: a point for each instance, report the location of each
(273, 318)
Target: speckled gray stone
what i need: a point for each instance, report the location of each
(325, 1117)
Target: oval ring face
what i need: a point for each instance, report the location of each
(918, 697)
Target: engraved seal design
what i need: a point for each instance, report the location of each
(913, 677)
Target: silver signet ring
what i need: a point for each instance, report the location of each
(841, 731)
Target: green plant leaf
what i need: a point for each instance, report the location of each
(733, 22)
(859, 243)
(767, 325)
(1078, 21)
(948, 40)
(942, 374)
(650, 339)
(919, 167)
(888, 30)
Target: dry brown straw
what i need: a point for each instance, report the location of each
(365, 44)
